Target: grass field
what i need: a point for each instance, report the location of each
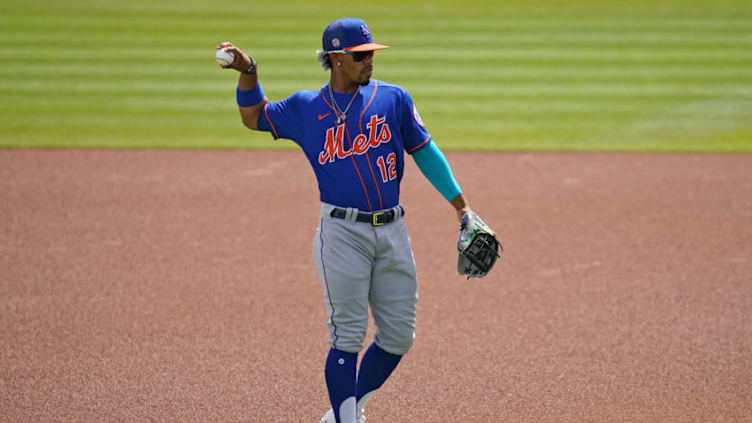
(514, 76)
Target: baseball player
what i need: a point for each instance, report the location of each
(355, 132)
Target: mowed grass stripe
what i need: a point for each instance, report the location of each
(512, 71)
(731, 74)
(179, 75)
(577, 37)
(169, 20)
(529, 108)
(468, 89)
(184, 78)
(477, 56)
(105, 37)
(731, 109)
(517, 106)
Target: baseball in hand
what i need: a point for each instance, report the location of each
(224, 57)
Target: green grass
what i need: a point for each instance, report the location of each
(513, 76)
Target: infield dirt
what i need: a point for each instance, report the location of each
(179, 286)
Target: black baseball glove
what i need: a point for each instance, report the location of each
(478, 247)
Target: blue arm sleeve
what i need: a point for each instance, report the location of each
(435, 168)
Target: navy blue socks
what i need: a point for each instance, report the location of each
(349, 395)
(375, 368)
(340, 381)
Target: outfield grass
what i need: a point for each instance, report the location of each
(518, 76)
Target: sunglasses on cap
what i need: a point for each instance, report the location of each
(358, 56)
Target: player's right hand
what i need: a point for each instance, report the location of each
(241, 61)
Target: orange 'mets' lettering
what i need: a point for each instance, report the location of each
(334, 146)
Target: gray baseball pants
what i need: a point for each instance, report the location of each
(360, 265)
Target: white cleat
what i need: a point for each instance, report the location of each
(329, 417)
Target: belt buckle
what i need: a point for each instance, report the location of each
(375, 221)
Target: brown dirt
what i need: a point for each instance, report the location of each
(179, 286)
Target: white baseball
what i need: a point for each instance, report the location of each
(224, 57)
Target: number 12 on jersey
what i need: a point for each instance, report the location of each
(388, 169)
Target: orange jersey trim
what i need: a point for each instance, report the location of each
(419, 145)
(274, 130)
(365, 191)
(323, 97)
(360, 126)
(373, 175)
(360, 121)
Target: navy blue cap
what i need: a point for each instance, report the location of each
(349, 34)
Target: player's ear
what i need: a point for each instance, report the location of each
(336, 58)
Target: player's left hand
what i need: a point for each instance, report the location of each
(461, 212)
(478, 247)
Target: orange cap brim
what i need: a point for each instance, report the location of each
(366, 47)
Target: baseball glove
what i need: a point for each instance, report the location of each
(478, 247)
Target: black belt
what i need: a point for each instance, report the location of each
(375, 219)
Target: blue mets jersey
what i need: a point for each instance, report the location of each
(358, 163)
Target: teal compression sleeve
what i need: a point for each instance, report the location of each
(435, 168)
